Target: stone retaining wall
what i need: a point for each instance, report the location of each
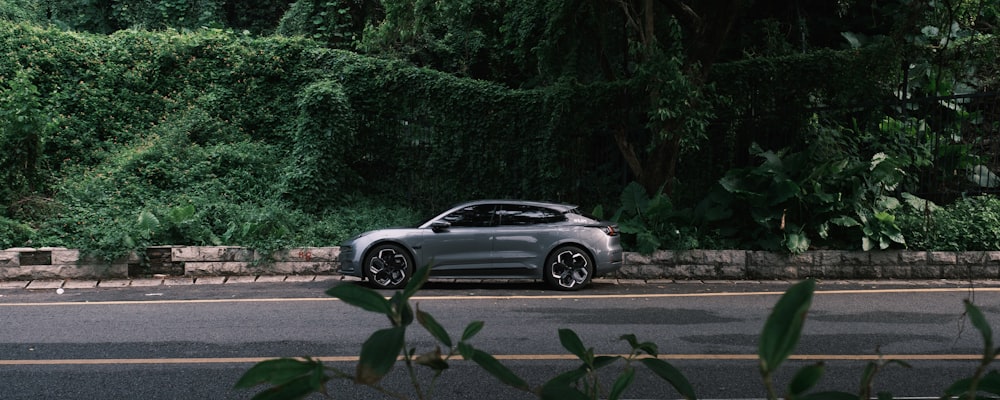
(51, 263)
(821, 264)
(57, 262)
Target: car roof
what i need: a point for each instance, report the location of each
(561, 207)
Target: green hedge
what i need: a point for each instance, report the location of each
(168, 137)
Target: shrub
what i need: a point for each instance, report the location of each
(968, 224)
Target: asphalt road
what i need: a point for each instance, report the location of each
(194, 342)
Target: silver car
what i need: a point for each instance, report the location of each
(502, 239)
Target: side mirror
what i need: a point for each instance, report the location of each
(440, 226)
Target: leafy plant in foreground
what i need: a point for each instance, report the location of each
(294, 378)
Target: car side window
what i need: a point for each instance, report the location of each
(472, 216)
(518, 215)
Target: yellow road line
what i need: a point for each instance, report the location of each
(504, 357)
(511, 297)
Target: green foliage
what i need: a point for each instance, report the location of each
(22, 11)
(324, 133)
(14, 232)
(832, 193)
(24, 123)
(460, 37)
(176, 14)
(650, 224)
(108, 16)
(280, 129)
(968, 224)
(337, 24)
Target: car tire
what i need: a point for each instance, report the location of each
(388, 266)
(568, 268)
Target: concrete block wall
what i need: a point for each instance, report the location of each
(203, 261)
(54, 263)
(820, 264)
(58, 262)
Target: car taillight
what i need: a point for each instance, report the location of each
(610, 230)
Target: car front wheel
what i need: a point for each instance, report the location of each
(569, 268)
(388, 266)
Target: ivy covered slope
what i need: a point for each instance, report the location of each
(116, 142)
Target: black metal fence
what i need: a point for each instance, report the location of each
(952, 142)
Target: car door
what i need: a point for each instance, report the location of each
(523, 237)
(465, 246)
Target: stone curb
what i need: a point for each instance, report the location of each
(219, 264)
(52, 284)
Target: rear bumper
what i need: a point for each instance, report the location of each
(609, 262)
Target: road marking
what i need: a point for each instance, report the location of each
(503, 357)
(510, 297)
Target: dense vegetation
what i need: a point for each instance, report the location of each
(272, 125)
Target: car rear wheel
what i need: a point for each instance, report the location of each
(569, 268)
(388, 266)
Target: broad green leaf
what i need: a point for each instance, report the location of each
(379, 354)
(433, 360)
(823, 230)
(647, 242)
(731, 184)
(417, 281)
(885, 217)
(182, 214)
(772, 160)
(887, 203)
(670, 374)
(562, 387)
(362, 297)
(570, 377)
(845, 221)
(278, 371)
(796, 243)
(472, 329)
(298, 388)
(433, 327)
(645, 347)
(598, 212)
(978, 321)
(805, 379)
(635, 199)
(603, 361)
(990, 383)
(784, 326)
(622, 383)
(959, 387)
(572, 343)
(491, 365)
(403, 313)
(896, 236)
(918, 203)
(781, 191)
(148, 221)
